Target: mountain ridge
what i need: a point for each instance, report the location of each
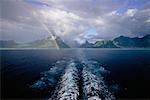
(55, 42)
(120, 42)
(48, 42)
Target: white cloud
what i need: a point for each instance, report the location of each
(113, 13)
(131, 12)
(71, 19)
(148, 20)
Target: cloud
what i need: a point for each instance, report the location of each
(131, 12)
(28, 20)
(18, 23)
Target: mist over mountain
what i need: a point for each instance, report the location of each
(119, 42)
(48, 42)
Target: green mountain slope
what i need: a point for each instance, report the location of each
(43, 43)
(57, 42)
(9, 43)
(120, 42)
(104, 44)
(86, 45)
(143, 42)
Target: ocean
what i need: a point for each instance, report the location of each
(129, 69)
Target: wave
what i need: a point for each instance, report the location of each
(75, 80)
(94, 87)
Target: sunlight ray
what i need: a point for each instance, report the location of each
(53, 37)
(46, 28)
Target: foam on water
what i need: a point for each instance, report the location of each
(70, 76)
(93, 84)
(49, 78)
(68, 87)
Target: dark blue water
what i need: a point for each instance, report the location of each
(21, 68)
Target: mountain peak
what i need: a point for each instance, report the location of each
(49, 42)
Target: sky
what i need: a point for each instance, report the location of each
(73, 20)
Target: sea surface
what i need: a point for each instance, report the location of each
(129, 69)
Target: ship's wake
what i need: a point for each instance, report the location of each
(75, 80)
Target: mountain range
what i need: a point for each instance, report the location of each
(120, 42)
(49, 42)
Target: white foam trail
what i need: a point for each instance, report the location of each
(68, 88)
(47, 80)
(94, 87)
